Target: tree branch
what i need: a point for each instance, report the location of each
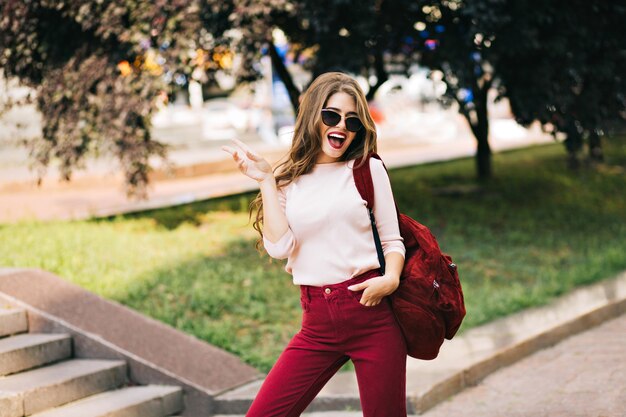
(285, 77)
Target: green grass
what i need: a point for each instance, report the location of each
(534, 232)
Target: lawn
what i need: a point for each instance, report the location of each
(534, 232)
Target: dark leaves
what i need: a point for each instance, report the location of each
(96, 69)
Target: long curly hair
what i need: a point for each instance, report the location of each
(307, 142)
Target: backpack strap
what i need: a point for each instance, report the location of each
(363, 180)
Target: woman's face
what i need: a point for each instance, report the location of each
(336, 139)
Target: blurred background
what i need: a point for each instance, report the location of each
(136, 81)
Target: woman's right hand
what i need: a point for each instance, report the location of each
(249, 162)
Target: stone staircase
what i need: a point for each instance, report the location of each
(40, 378)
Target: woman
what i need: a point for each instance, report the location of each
(312, 214)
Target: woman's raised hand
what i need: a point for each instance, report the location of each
(249, 162)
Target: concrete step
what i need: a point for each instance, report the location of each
(12, 321)
(338, 394)
(26, 351)
(54, 385)
(145, 401)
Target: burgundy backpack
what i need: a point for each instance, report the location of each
(428, 304)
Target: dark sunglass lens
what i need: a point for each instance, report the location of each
(330, 118)
(353, 124)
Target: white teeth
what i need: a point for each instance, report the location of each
(334, 136)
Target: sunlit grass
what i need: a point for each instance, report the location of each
(534, 232)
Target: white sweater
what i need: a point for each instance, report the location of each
(329, 239)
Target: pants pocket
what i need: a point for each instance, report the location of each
(356, 296)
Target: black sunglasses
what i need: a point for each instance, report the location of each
(332, 118)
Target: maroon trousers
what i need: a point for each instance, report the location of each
(337, 327)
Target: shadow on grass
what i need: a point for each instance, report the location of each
(172, 217)
(528, 185)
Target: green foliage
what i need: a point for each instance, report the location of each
(533, 233)
(96, 68)
(360, 37)
(557, 62)
(566, 69)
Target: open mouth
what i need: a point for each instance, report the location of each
(336, 140)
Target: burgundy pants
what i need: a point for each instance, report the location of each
(337, 327)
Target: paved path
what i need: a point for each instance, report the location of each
(583, 376)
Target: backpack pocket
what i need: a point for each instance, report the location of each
(423, 329)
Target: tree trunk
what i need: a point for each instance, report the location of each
(480, 128)
(381, 76)
(595, 147)
(573, 144)
(483, 152)
(285, 77)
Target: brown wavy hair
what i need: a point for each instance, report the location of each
(307, 143)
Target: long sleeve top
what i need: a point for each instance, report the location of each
(329, 239)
